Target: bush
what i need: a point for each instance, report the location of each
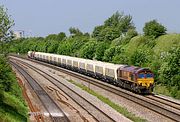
(88, 50)
(100, 49)
(140, 57)
(12, 105)
(169, 72)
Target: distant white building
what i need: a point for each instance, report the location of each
(18, 34)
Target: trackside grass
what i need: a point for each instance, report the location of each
(118, 108)
(12, 105)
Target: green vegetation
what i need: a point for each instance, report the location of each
(154, 29)
(12, 105)
(5, 24)
(116, 41)
(115, 26)
(118, 108)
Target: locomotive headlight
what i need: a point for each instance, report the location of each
(152, 81)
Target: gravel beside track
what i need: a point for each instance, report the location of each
(56, 114)
(98, 109)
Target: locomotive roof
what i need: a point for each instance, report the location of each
(133, 69)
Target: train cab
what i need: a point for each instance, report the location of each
(144, 77)
(138, 79)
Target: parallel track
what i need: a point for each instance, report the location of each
(165, 101)
(45, 99)
(162, 108)
(92, 109)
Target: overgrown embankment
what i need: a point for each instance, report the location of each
(162, 55)
(12, 105)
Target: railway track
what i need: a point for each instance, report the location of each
(55, 113)
(92, 109)
(164, 107)
(165, 101)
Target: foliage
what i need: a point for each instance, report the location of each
(87, 50)
(140, 57)
(72, 45)
(61, 36)
(5, 25)
(131, 33)
(5, 80)
(53, 45)
(154, 29)
(58, 37)
(100, 49)
(75, 31)
(170, 69)
(108, 54)
(11, 102)
(113, 27)
(120, 56)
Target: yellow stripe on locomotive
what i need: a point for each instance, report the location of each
(145, 80)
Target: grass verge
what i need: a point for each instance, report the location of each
(118, 108)
(164, 90)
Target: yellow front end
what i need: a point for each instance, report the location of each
(145, 82)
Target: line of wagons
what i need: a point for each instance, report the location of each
(136, 79)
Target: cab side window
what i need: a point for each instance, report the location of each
(141, 76)
(149, 75)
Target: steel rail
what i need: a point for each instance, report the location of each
(164, 101)
(42, 95)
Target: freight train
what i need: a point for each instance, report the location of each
(136, 79)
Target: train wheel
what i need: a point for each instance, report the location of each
(132, 87)
(137, 90)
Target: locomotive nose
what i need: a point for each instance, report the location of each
(145, 82)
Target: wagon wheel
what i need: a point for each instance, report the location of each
(133, 87)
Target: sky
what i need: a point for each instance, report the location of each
(43, 17)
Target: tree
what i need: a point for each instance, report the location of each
(154, 29)
(58, 37)
(100, 49)
(140, 57)
(97, 30)
(170, 70)
(5, 80)
(88, 50)
(51, 37)
(131, 33)
(113, 27)
(61, 36)
(53, 46)
(5, 25)
(108, 54)
(75, 31)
